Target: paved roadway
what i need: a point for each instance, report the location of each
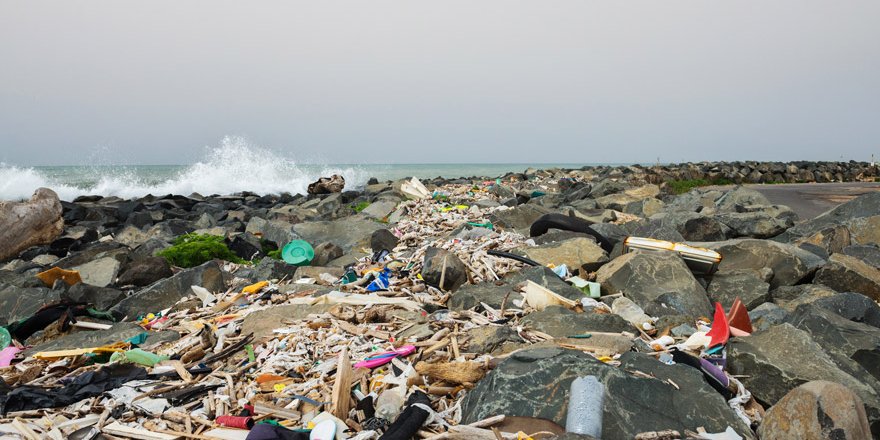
(809, 200)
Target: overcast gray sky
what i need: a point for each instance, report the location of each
(443, 81)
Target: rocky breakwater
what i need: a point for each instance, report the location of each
(732, 172)
(475, 286)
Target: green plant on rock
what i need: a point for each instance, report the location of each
(191, 250)
(276, 254)
(683, 186)
(360, 206)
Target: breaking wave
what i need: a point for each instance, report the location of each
(234, 166)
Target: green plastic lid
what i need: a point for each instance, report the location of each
(5, 338)
(298, 253)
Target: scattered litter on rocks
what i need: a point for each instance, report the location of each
(452, 331)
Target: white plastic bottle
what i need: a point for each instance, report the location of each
(585, 404)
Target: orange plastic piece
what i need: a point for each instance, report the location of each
(263, 378)
(720, 332)
(254, 288)
(49, 277)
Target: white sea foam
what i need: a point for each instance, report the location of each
(234, 166)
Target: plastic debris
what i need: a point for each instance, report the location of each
(585, 406)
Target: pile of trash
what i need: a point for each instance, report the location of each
(477, 318)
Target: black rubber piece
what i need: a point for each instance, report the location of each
(568, 223)
(681, 357)
(516, 257)
(410, 420)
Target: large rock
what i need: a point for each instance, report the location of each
(329, 205)
(860, 342)
(132, 236)
(693, 226)
(520, 217)
(853, 306)
(92, 252)
(520, 386)
(489, 338)
(832, 239)
(814, 411)
(149, 248)
(119, 332)
(245, 246)
(17, 303)
(789, 264)
(277, 231)
(347, 233)
(849, 274)
(145, 271)
(870, 254)
(380, 209)
(383, 239)
(262, 322)
(865, 230)
(576, 253)
(655, 228)
(165, 293)
(772, 362)
(638, 201)
(749, 285)
(102, 298)
(493, 292)
(327, 185)
(802, 293)
(767, 315)
(752, 224)
(443, 266)
(268, 269)
(860, 207)
(559, 322)
(31, 223)
(101, 272)
(739, 197)
(325, 253)
(659, 282)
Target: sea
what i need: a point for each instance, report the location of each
(229, 168)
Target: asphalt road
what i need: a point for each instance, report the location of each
(809, 200)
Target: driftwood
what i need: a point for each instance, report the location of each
(31, 223)
(453, 372)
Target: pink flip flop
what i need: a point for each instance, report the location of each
(386, 357)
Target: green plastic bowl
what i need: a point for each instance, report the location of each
(298, 253)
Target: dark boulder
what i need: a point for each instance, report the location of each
(659, 282)
(790, 264)
(144, 271)
(165, 293)
(519, 386)
(749, 285)
(816, 410)
(442, 265)
(849, 274)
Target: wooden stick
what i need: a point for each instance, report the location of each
(341, 396)
(435, 347)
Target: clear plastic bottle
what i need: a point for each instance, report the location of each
(585, 404)
(389, 403)
(632, 313)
